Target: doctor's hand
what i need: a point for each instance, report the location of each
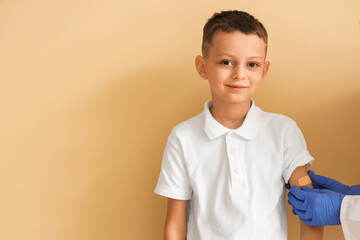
(321, 182)
(316, 207)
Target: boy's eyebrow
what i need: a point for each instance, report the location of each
(230, 55)
(256, 57)
(225, 54)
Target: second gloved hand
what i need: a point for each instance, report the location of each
(321, 182)
(316, 207)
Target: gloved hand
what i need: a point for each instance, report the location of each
(316, 207)
(321, 182)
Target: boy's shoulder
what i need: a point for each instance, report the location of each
(276, 118)
(277, 121)
(191, 127)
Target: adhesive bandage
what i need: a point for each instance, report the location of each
(305, 180)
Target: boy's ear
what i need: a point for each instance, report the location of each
(200, 67)
(266, 69)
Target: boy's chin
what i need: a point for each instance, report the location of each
(233, 100)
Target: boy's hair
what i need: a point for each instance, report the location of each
(231, 21)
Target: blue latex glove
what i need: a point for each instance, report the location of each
(321, 182)
(316, 207)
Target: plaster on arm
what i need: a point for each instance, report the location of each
(301, 178)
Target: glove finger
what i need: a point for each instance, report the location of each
(296, 203)
(299, 194)
(328, 183)
(302, 214)
(294, 212)
(309, 222)
(315, 184)
(307, 189)
(316, 179)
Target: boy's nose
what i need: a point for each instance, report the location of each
(238, 73)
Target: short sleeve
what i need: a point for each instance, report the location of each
(173, 181)
(295, 152)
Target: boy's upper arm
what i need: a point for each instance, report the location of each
(176, 215)
(300, 178)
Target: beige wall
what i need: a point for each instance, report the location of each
(89, 91)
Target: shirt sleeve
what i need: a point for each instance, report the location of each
(350, 217)
(295, 152)
(173, 181)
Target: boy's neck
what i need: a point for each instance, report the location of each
(230, 115)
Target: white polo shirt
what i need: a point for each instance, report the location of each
(234, 179)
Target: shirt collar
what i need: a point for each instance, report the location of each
(247, 130)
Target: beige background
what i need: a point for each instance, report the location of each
(89, 91)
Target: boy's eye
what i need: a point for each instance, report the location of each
(227, 62)
(253, 65)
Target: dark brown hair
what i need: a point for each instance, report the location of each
(231, 21)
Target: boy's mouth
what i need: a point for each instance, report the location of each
(236, 87)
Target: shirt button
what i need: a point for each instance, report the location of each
(236, 170)
(232, 151)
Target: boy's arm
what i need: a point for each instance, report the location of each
(175, 225)
(299, 179)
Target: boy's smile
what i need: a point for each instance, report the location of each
(234, 66)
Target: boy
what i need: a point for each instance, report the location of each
(224, 171)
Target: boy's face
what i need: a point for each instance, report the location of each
(235, 66)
